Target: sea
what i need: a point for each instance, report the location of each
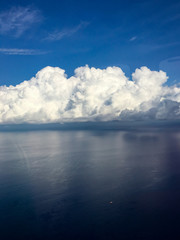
(90, 182)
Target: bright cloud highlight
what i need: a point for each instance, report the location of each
(90, 95)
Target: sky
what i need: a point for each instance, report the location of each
(65, 61)
(69, 34)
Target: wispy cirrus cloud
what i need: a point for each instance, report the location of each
(17, 20)
(19, 51)
(67, 32)
(133, 38)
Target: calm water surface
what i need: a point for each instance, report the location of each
(90, 185)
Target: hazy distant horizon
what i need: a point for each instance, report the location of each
(96, 126)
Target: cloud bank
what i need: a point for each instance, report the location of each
(90, 95)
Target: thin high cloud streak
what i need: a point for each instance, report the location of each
(17, 20)
(133, 39)
(58, 35)
(19, 51)
(90, 95)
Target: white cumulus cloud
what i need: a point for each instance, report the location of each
(91, 94)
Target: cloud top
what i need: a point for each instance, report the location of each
(91, 94)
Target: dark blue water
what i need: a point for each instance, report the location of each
(90, 185)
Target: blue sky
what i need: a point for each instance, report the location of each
(69, 34)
